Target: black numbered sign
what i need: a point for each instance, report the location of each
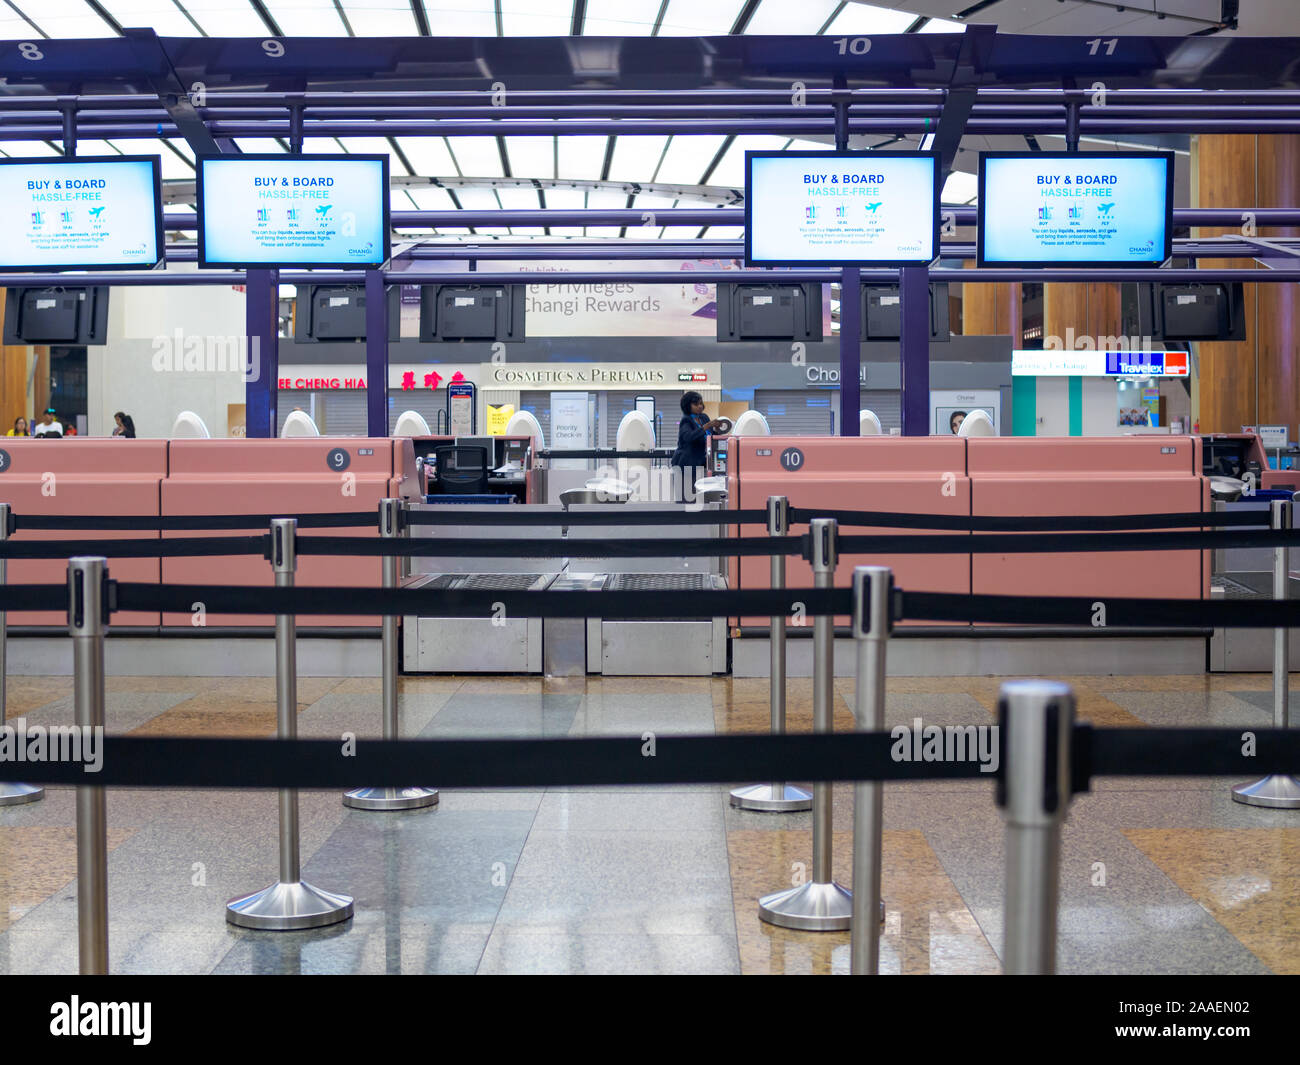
(338, 459)
(792, 459)
(5, 460)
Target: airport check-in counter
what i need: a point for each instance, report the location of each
(511, 465)
(683, 647)
(477, 645)
(565, 646)
(81, 476)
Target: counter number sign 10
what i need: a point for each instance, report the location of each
(338, 459)
(792, 459)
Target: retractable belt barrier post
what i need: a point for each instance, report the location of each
(10, 794)
(289, 903)
(87, 622)
(1035, 722)
(873, 588)
(1277, 790)
(820, 905)
(775, 797)
(391, 513)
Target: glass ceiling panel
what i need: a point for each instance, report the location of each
(532, 157)
(687, 159)
(536, 18)
(581, 157)
(431, 198)
(785, 17)
(24, 149)
(180, 145)
(636, 157)
(461, 18)
(64, 18)
(13, 27)
(264, 145)
(700, 18)
(863, 18)
(162, 16)
(226, 18)
(380, 18)
(321, 145)
(478, 199)
(307, 18)
(477, 156)
(730, 172)
(942, 25)
(620, 18)
(375, 146)
(429, 156)
(960, 188)
(519, 199)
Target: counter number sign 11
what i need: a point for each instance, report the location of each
(792, 459)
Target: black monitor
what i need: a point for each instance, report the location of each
(462, 469)
(56, 315)
(338, 313)
(472, 312)
(882, 307)
(1181, 312)
(770, 312)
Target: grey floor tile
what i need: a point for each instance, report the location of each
(1212, 951)
(608, 955)
(614, 812)
(483, 715)
(647, 857)
(582, 906)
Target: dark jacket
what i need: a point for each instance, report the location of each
(692, 441)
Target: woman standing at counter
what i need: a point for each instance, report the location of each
(692, 439)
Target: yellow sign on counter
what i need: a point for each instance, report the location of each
(498, 418)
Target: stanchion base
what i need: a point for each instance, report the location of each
(1278, 791)
(809, 908)
(391, 798)
(13, 794)
(283, 907)
(772, 800)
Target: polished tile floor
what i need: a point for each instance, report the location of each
(1158, 875)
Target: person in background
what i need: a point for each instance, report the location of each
(48, 425)
(692, 439)
(19, 429)
(125, 425)
(954, 423)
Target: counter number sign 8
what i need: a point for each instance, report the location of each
(338, 459)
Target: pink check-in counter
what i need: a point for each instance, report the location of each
(309, 475)
(74, 477)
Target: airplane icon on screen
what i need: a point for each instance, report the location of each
(1105, 209)
(323, 210)
(95, 212)
(872, 206)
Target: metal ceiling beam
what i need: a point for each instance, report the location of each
(174, 96)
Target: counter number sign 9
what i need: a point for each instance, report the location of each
(338, 459)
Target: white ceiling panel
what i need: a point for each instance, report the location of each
(307, 18)
(477, 156)
(865, 18)
(730, 172)
(620, 18)
(461, 18)
(687, 159)
(636, 158)
(64, 18)
(162, 16)
(380, 18)
(791, 18)
(532, 157)
(226, 18)
(700, 18)
(429, 156)
(536, 18)
(581, 157)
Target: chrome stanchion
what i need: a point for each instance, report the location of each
(872, 620)
(821, 905)
(87, 622)
(1277, 789)
(1035, 719)
(775, 797)
(10, 794)
(289, 903)
(391, 525)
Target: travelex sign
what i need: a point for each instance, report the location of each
(1049, 363)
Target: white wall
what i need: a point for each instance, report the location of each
(1053, 406)
(142, 322)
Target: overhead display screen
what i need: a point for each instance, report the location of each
(841, 208)
(299, 210)
(1075, 208)
(81, 214)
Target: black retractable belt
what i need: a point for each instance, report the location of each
(187, 522)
